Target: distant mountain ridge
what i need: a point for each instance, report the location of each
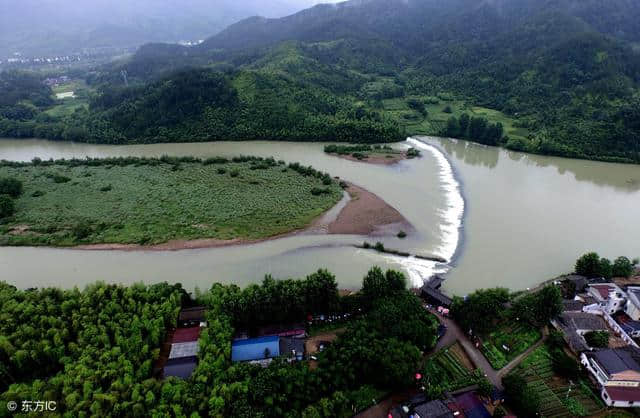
(64, 26)
(415, 22)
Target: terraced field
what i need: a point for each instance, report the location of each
(558, 397)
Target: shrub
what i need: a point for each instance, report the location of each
(37, 193)
(598, 339)
(234, 173)
(366, 245)
(81, 230)
(106, 188)
(412, 153)
(221, 171)
(11, 186)
(447, 109)
(7, 207)
(402, 234)
(379, 246)
(317, 191)
(215, 160)
(58, 178)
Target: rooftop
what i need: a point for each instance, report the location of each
(634, 295)
(571, 322)
(433, 409)
(603, 289)
(436, 295)
(192, 314)
(623, 393)
(181, 350)
(618, 360)
(182, 367)
(570, 305)
(289, 345)
(184, 335)
(255, 348)
(471, 405)
(582, 321)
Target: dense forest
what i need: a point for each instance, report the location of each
(92, 351)
(197, 105)
(562, 77)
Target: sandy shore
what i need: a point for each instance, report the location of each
(367, 214)
(360, 212)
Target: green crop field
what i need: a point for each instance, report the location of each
(518, 337)
(149, 201)
(558, 397)
(447, 370)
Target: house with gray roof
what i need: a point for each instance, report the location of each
(618, 373)
(575, 324)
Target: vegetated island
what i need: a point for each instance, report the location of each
(373, 154)
(172, 203)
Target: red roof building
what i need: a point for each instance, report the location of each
(185, 335)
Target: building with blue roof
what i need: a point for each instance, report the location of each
(255, 348)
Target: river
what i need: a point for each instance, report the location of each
(503, 218)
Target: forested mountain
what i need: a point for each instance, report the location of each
(65, 26)
(557, 77)
(566, 70)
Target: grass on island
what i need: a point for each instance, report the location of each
(133, 201)
(439, 110)
(447, 369)
(556, 400)
(517, 336)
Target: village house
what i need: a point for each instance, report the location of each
(609, 297)
(179, 354)
(575, 324)
(618, 373)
